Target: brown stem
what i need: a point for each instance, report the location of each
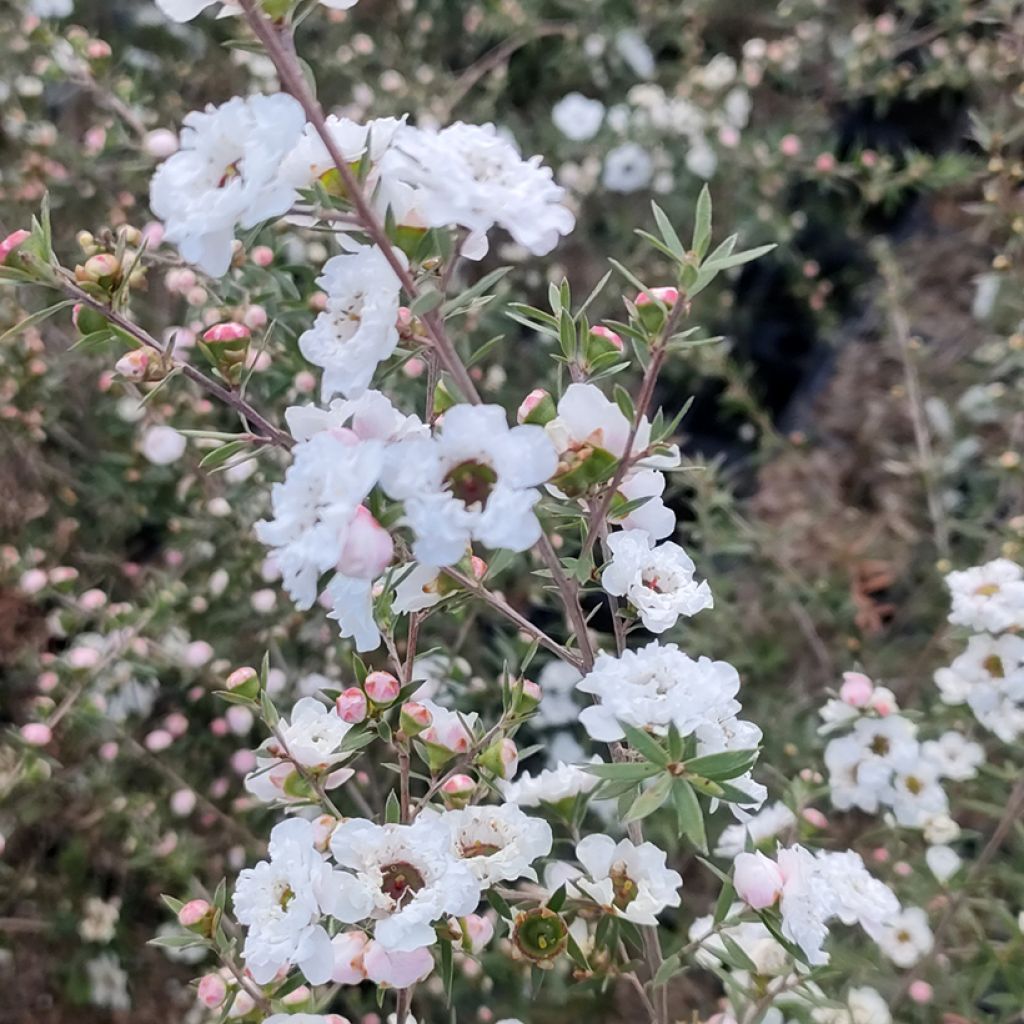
(282, 55)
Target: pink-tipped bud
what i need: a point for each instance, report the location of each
(537, 407)
(262, 255)
(226, 332)
(104, 266)
(297, 996)
(501, 758)
(477, 932)
(36, 734)
(212, 991)
(814, 817)
(414, 718)
(856, 690)
(194, 913)
(368, 547)
(790, 145)
(351, 705)
(458, 791)
(133, 365)
(615, 340)
(666, 296)
(921, 992)
(825, 163)
(240, 677)
(757, 879)
(382, 687)
(160, 143)
(11, 243)
(478, 567)
(529, 697)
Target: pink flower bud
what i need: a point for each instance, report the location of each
(103, 265)
(368, 547)
(458, 791)
(108, 751)
(903, 869)
(477, 932)
(531, 403)
(255, 317)
(36, 734)
(297, 996)
(478, 567)
(183, 802)
(161, 143)
(757, 879)
(240, 677)
(212, 990)
(920, 991)
(229, 331)
(92, 600)
(501, 758)
(609, 335)
(415, 718)
(856, 689)
(262, 255)
(814, 817)
(790, 145)
(399, 970)
(83, 657)
(351, 705)
(348, 957)
(304, 382)
(133, 365)
(11, 243)
(382, 687)
(666, 296)
(157, 740)
(414, 368)
(33, 581)
(825, 163)
(193, 913)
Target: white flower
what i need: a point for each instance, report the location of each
(859, 897)
(942, 861)
(940, 829)
(163, 445)
(657, 580)
(861, 765)
(311, 736)
(371, 417)
(954, 756)
(407, 878)
(701, 159)
(99, 920)
(627, 168)
(863, 1006)
(626, 880)
(500, 843)
(989, 677)
(655, 686)
(768, 955)
(917, 795)
(226, 174)
(473, 480)
(315, 507)
(108, 983)
(766, 824)
(635, 52)
(988, 597)
(551, 786)
(578, 117)
(51, 8)
(417, 589)
(359, 327)
(557, 682)
(281, 901)
(470, 175)
(907, 937)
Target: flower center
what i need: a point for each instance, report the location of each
(625, 889)
(914, 784)
(400, 880)
(285, 896)
(993, 665)
(478, 849)
(987, 590)
(880, 746)
(471, 482)
(231, 171)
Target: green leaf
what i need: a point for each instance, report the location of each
(36, 318)
(624, 401)
(668, 233)
(557, 900)
(702, 223)
(725, 765)
(221, 455)
(392, 809)
(689, 814)
(645, 744)
(464, 299)
(426, 301)
(650, 799)
(498, 902)
(725, 900)
(632, 771)
(270, 715)
(484, 349)
(173, 904)
(739, 258)
(669, 966)
(447, 970)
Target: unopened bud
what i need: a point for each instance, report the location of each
(529, 697)
(368, 548)
(11, 243)
(537, 407)
(194, 914)
(458, 791)
(244, 681)
(501, 758)
(227, 332)
(382, 688)
(212, 991)
(856, 690)
(477, 932)
(351, 705)
(134, 365)
(103, 268)
(86, 242)
(606, 334)
(414, 718)
(652, 313)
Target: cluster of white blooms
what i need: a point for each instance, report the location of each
(396, 881)
(880, 762)
(813, 888)
(551, 786)
(659, 686)
(186, 10)
(989, 675)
